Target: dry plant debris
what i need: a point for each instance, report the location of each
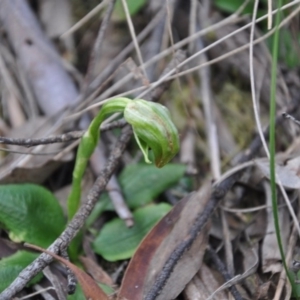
(200, 228)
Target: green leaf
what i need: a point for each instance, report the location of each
(233, 5)
(133, 6)
(116, 241)
(228, 6)
(79, 295)
(11, 266)
(141, 184)
(30, 213)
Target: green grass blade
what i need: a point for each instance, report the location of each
(275, 48)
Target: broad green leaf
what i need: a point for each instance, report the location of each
(11, 266)
(30, 213)
(233, 5)
(141, 184)
(116, 241)
(133, 6)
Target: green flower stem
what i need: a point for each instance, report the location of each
(86, 148)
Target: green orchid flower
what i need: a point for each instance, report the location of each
(153, 129)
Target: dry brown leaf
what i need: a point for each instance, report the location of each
(288, 176)
(96, 271)
(172, 242)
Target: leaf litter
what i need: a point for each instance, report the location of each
(241, 230)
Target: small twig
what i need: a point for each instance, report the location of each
(72, 282)
(66, 137)
(29, 152)
(269, 14)
(85, 19)
(252, 80)
(222, 269)
(288, 116)
(133, 36)
(40, 291)
(96, 53)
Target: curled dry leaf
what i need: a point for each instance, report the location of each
(170, 255)
(89, 287)
(288, 174)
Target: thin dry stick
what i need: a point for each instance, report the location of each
(238, 278)
(211, 128)
(96, 53)
(170, 11)
(133, 36)
(103, 99)
(28, 153)
(227, 245)
(85, 19)
(206, 96)
(221, 268)
(288, 116)
(269, 14)
(252, 81)
(66, 137)
(42, 290)
(72, 282)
